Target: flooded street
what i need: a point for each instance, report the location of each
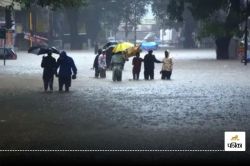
(205, 98)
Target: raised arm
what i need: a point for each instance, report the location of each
(73, 66)
(156, 60)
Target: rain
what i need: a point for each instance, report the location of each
(208, 93)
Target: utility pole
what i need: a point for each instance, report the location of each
(8, 26)
(3, 36)
(135, 24)
(51, 20)
(246, 34)
(30, 26)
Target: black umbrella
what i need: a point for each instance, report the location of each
(110, 44)
(54, 50)
(39, 50)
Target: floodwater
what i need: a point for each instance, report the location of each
(205, 98)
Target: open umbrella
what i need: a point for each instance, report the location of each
(149, 46)
(123, 46)
(109, 45)
(39, 50)
(54, 50)
(132, 51)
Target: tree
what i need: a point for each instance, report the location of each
(220, 19)
(159, 8)
(100, 16)
(134, 10)
(107, 15)
(111, 16)
(187, 23)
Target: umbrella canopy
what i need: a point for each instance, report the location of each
(149, 46)
(55, 51)
(39, 50)
(132, 51)
(109, 45)
(123, 46)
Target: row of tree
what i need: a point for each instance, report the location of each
(219, 19)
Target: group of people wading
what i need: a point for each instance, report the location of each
(65, 69)
(118, 60)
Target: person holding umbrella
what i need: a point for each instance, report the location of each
(49, 68)
(117, 63)
(118, 59)
(66, 65)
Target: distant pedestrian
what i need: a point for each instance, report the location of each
(49, 69)
(96, 64)
(136, 66)
(96, 47)
(66, 65)
(149, 65)
(102, 65)
(167, 67)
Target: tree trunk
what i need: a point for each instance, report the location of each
(73, 21)
(222, 45)
(126, 31)
(189, 41)
(93, 26)
(189, 28)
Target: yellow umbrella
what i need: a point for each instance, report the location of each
(132, 51)
(120, 47)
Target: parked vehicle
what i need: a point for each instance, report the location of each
(9, 54)
(241, 51)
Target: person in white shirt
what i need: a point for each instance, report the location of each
(102, 65)
(167, 67)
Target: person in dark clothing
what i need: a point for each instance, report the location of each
(108, 57)
(137, 66)
(96, 48)
(66, 65)
(95, 64)
(49, 68)
(149, 65)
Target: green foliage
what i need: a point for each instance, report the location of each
(159, 8)
(54, 4)
(132, 10)
(203, 9)
(112, 12)
(211, 29)
(217, 17)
